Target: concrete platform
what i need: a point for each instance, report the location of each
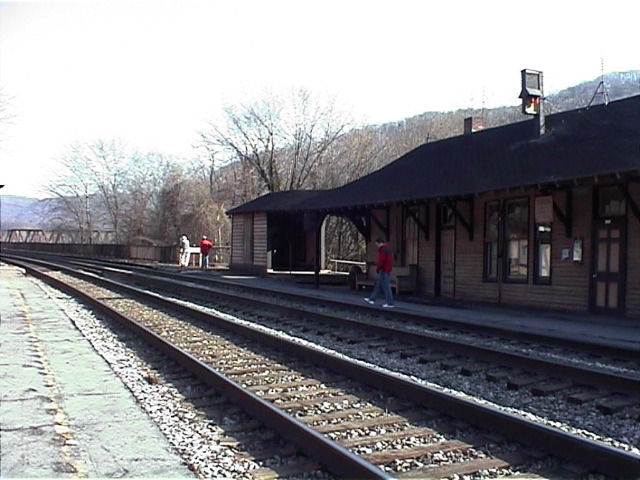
(63, 413)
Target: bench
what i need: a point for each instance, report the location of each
(403, 279)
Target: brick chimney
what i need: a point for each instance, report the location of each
(472, 124)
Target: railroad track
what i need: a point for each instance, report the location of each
(610, 386)
(151, 274)
(558, 371)
(289, 390)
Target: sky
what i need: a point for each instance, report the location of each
(152, 73)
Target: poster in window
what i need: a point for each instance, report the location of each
(524, 252)
(577, 250)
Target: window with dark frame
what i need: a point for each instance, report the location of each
(516, 234)
(542, 258)
(491, 238)
(411, 239)
(611, 202)
(506, 236)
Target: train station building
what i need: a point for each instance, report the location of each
(542, 213)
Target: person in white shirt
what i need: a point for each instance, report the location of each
(184, 251)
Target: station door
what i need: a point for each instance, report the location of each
(609, 275)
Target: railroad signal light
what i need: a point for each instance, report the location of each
(531, 93)
(531, 106)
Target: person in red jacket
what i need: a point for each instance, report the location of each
(205, 247)
(384, 265)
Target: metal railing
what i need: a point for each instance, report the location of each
(345, 265)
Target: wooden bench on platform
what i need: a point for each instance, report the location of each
(403, 279)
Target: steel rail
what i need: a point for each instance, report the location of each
(601, 457)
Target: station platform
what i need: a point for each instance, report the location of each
(63, 412)
(606, 331)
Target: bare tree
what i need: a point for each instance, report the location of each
(169, 214)
(109, 165)
(205, 168)
(147, 176)
(282, 139)
(72, 192)
(89, 184)
(358, 153)
(288, 143)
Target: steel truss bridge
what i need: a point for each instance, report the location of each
(24, 235)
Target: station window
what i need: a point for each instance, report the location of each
(411, 239)
(517, 239)
(491, 237)
(542, 273)
(611, 202)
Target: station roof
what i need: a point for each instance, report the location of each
(278, 201)
(596, 141)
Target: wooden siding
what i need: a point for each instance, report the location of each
(237, 236)
(310, 249)
(395, 234)
(569, 288)
(633, 256)
(469, 257)
(426, 256)
(260, 239)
